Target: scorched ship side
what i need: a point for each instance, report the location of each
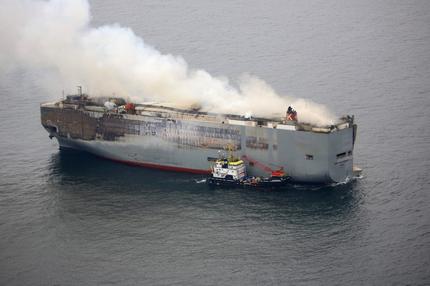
(168, 138)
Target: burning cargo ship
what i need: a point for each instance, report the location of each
(188, 140)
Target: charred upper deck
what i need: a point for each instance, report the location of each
(93, 107)
(85, 118)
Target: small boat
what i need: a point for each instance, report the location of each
(231, 172)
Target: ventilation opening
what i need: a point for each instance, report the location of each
(52, 129)
(341, 155)
(309, 157)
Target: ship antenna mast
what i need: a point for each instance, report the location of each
(230, 149)
(80, 90)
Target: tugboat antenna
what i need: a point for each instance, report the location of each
(230, 149)
(80, 90)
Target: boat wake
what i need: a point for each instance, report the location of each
(348, 180)
(200, 181)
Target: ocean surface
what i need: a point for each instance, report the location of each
(68, 218)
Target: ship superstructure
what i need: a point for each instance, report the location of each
(228, 169)
(169, 138)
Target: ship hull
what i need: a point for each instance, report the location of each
(192, 145)
(80, 145)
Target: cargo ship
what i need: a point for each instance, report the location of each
(166, 137)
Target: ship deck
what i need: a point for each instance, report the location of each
(169, 111)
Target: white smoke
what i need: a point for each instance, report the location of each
(57, 36)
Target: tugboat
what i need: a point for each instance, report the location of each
(231, 172)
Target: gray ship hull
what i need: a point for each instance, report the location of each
(191, 144)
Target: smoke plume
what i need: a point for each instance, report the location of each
(57, 36)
